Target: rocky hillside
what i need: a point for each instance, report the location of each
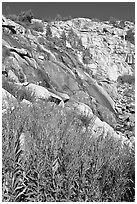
(68, 110)
(83, 65)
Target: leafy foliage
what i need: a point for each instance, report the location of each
(48, 32)
(130, 36)
(38, 26)
(12, 17)
(74, 40)
(95, 20)
(63, 37)
(5, 53)
(47, 157)
(113, 21)
(122, 24)
(126, 79)
(117, 23)
(87, 56)
(26, 16)
(57, 18)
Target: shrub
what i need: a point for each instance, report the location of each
(80, 45)
(48, 32)
(87, 56)
(66, 18)
(122, 24)
(114, 21)
(38, 26)
(130, 79)
(73, 38)
(26, 16)
(12, 17)
(58, 42)
(47, 19)
(58, 17)
(41, 40)
(5, 53)
(117, 23)
(56, 161)
(130, 36)
(95, 20)
(63, 36)
(63, 39)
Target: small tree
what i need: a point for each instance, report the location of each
(71, 35)
(48, 31)
(58, 17)
(26, 16)
(87, 56)
(12, 17)
(38, 26)
(80, 45)
(66, 18)
(130, 36)
(122, 24)
(47, 19)
(113, 21)
(63, 38)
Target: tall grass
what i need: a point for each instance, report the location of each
(47, 157)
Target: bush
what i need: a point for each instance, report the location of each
(122, 24)
(12, 17)
(41, 40)
(38, 26)
(58, 17)
(115, 22)
(95, 20)
(112, 20)
(48, 32)
(66, 18)
(63, 36)
(58, 42)
(5, 53)
(130, 36)
(55, 161)
(130, 79)
(26, 16)
(87, 56)
(80, 45)
(73, 39)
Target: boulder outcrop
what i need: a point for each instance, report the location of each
(82, 62)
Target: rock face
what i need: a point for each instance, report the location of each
(78, 62)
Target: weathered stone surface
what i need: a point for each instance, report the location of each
(82, 69)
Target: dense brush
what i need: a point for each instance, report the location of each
(55, 161)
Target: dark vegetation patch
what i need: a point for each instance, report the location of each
(130, 36)
(130, 79)
(56, 161)
(24, 16)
